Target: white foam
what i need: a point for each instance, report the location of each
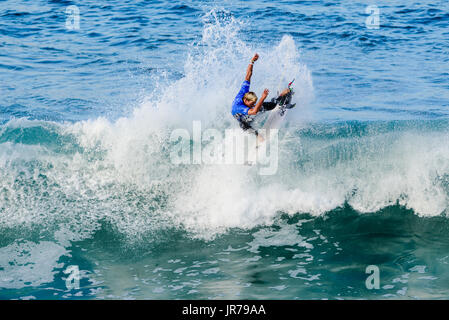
(120, 171)
(25, 263)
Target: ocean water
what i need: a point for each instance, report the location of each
(92, 207)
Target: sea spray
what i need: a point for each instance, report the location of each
(120, 173)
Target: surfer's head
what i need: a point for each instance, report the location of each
(249, 99)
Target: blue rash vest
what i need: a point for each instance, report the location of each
(238, 107)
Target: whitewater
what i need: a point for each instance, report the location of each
(102, 193)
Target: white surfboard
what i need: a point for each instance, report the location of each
(276, 116)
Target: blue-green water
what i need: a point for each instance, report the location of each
(86, 178)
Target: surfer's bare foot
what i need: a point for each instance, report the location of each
(284, 92)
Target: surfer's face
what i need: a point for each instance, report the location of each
(249, 103)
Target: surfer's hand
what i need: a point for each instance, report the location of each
(265, 93)
(254, 59)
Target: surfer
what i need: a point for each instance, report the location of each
(245, 104)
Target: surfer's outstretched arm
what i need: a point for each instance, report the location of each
(249, 70)
(259, 104)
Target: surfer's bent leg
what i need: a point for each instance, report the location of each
(245, 123)
(247, 127)
(284, 98)
(267, 106)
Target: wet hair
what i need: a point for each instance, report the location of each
(250, 96)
